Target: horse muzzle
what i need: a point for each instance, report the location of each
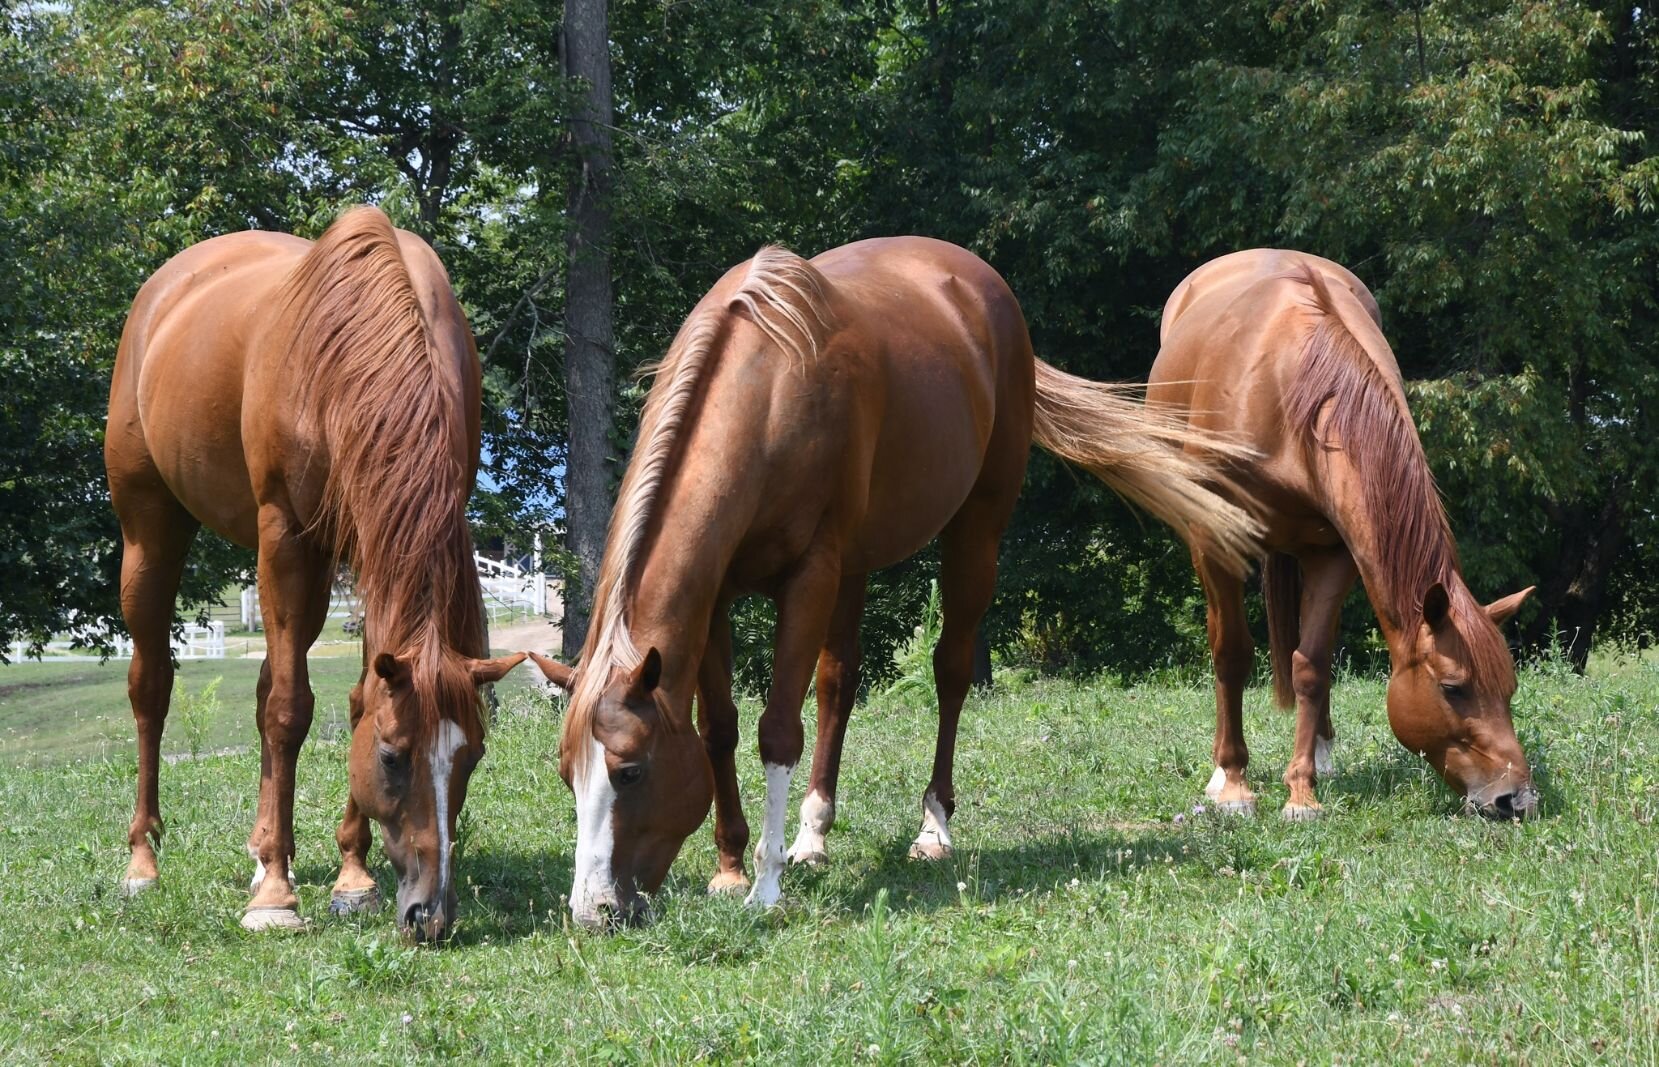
(1517, 804)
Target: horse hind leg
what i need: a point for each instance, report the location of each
(967, 581)
(156, 536)
(1230, 650)
(838, 667)
(1327, 577)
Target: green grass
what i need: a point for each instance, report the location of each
(1078, 922)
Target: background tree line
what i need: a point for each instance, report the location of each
(1488, 168)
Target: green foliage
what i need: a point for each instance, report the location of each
(1488, 168)
(195, 713)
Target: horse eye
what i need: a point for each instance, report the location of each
(1451, 690)
(391, 759)
(629, 775)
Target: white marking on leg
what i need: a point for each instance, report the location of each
(1324, 761)
(593, 885)
(769, 853)
(817, 814)
(1218, 782)
(258, 875)
(441, 757)
(934, 840)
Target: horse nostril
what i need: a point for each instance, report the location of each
(415, 917)
(1504, 806)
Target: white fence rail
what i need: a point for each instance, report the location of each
(196, 642)
(509, 592)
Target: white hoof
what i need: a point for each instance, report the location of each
(1218, 782)
(929, 850)
(132, 887)
(766, 893)
(1324, 760)
(1302, 812)
(258, 920)
(807, 856)
(1246, 808)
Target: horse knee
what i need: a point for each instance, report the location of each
(287, 717)
(721, 737)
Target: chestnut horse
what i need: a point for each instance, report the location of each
(1284, 351)
(811, 423)
(313, 402)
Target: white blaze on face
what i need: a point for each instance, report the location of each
(441, 757)
(769, 853)
(595, 838)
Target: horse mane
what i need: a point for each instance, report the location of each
(370, 378)
(1364, 400)
(784, 296)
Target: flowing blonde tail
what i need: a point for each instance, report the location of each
(1141, 453)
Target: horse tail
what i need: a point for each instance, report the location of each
(374, 388)
(1151, 457)
(1282, 592)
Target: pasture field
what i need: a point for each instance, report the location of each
(1090, 914)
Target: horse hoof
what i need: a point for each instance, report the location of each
(929, 850)
(1245, 807)
(1302, 812)
(258, 920)
(352, 901)
(728, 884)
(766, 894)
(132, 887)
(809, 857)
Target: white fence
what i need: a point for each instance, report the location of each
(509, 592)
(196, 642)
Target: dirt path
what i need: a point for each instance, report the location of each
(537, 635)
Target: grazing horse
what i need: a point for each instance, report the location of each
(313, 402)
(812, 422)
(1284, 351)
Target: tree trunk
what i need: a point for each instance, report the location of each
(590, 372)
(1572, 599)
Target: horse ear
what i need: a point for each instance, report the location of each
(1501, 611)
(393, 670)
(646, 676)
(485, 671)
(554, 671)
(1437, 605)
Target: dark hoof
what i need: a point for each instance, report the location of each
(352, 901)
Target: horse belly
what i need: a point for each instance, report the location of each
(927, 458)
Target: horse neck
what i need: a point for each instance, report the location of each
(701, 515)
(1392, 580)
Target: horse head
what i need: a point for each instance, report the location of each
(642, 782)
(1449, 698)
(414, 746)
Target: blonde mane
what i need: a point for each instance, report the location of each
(784, 296)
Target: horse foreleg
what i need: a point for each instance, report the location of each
(838, 664)
(1326, 579)
(1230, 650)
(805, 605)
(156, 536)
(717, 716)
(293, 591)
(355, 890)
